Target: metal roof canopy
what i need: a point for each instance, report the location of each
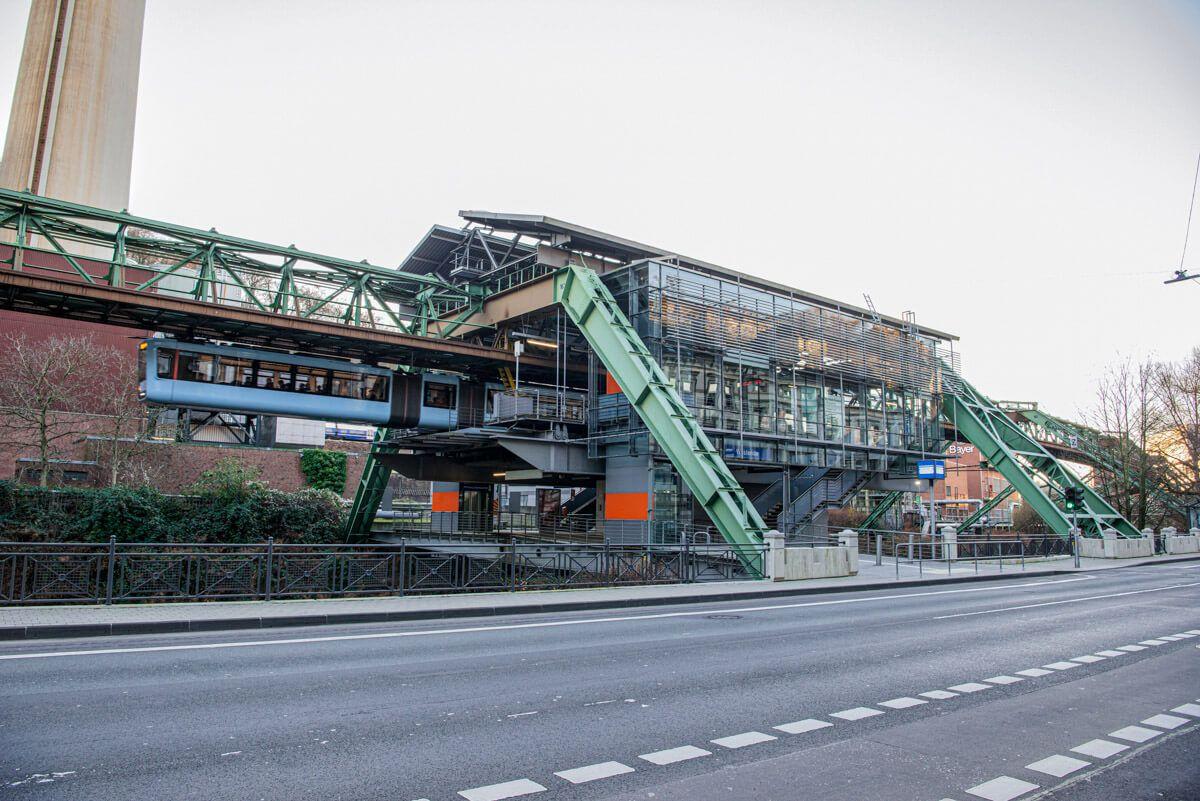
(565, 234)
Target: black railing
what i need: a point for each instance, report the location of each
(85, 573)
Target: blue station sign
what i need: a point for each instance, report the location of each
(931, 469)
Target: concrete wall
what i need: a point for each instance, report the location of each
(1115, 548)
(1183, 543)
(795, 564)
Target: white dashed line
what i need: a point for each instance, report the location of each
(938, 695)
(1087, 659)
(1002, 788)
(1193, 631)
(1188, 709)
(1058, 765)
(1134, 734)
(970, 687)
(744, 739)
(1034, 673)
(496, 792)
(1061, 665)
(231, 753)
(1171, 637)
(1165, 721)
(1152, 642)
(857, 713)
(1003, 680)
(590, 773)
(1110, 654)
(1183, 635)
(802, 726)
(673, 755)
(902, 703)
(1131, 648)
(1100, 749)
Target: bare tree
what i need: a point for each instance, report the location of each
(1129, 417)
(42, 387)
(124, 422)
(1178, 390)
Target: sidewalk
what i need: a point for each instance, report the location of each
(43, 622)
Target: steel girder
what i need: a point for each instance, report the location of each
(1088, 441)
(101, 247)
(987, 506)
(595, 312)
(881, 508)
(1028, 466)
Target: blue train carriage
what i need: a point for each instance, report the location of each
(226, 378)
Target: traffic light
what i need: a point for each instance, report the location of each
(1073, 499)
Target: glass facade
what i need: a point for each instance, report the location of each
(778, 379)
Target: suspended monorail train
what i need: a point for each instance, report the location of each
(247, 380)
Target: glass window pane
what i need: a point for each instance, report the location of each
(196, 367)
(166, 361)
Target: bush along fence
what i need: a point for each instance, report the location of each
(144, 514)
(113, 572)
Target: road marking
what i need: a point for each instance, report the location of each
(1058, 765)
(1171, 637)
(496, 792)
(1110, 654)
(1068, 601)
(1131, 648)
(1100, 749)
(1165, 721)
(1087, 659)
(902, 703)
(970, 687)
(938, 695)
(673, 755)
(857, 713)
(1185, 635)
(1061, 665)
(590, 773)
(1194, 631)
(1034, 673)
(1135, 734)
(1004, 680)
(1188, 709)
(802, 726)
(544, 624)
(744, 739)
(1152, 642)
(1002, 788)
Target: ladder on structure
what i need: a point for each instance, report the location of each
(595, 312)
(1028, 466)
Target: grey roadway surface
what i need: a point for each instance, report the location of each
(427, 710)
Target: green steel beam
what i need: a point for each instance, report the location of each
(371, 487)
(1029, 467)
(1089, 442)
(880, 510)
(595, 312)
(987, 506)
(102, 247)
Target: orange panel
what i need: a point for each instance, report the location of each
(445, 501)
(611, 387)
(625, 506)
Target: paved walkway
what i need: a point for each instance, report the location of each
(21, 622)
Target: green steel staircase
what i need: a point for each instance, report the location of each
(881, 509)
(1028, 466)
(595, 312)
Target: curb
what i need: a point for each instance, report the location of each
(71, 630)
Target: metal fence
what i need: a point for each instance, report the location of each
(84, 573)
(934, 554)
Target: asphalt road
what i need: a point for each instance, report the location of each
(627, 704)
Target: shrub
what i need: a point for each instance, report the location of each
(324, 470)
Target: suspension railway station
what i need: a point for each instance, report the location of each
(645, 396)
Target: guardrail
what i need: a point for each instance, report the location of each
(935, 554)
(86, 573)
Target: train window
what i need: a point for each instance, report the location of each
(272, 375)
(347, 385)
(312, 380)
(196, 367)
(166, 361)
(440, 396)
(376, 388)
(235, 371)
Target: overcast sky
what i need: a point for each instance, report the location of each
(1015, 173)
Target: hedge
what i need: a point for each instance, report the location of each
(324, 469)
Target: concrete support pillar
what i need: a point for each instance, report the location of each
(848, 538)
(949, 537)
(776, 554)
